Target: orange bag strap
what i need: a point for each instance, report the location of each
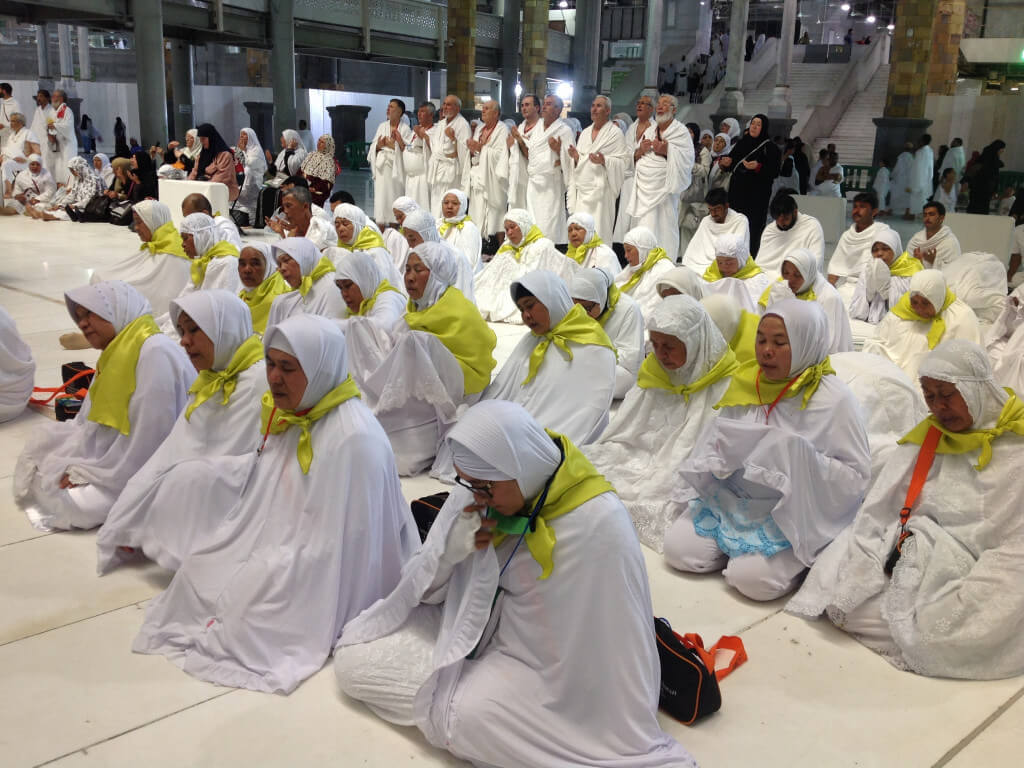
(925, 457)
(62, 389)
(708, 655)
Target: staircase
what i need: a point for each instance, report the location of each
(854, 135)
(810, 85)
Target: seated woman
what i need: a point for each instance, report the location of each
(32, 186)
(619, 315)
(70, 200)
(929, 312)
(802, 278)
(71, 472)
(458, 230)
(565, 352)
(444, 356)
(1004, 342)
(261, 282)
(586, 248)
(663, 415)
(736, 325)
(420, 227)
(681, 280)
(357, 233)
(310, 275)
(525, 249)
(221, 419)
(938, 592)
(160, 269)
(319, 533)
(394, 240)
(17, 369)
(442, 630)
(783, 468)
(734, 272)
(886, 277)
(216, 161)
(647, 265)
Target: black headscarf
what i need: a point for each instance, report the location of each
(217, 145)
(146, 173)
(759, 149)
(990, 154)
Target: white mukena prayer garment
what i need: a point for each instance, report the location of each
(17, 369)
(317, 293)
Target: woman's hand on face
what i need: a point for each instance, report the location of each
(486, 533)
(65, 482)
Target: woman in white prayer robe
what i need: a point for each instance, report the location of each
(929, 312)
(319, 532)
(420, 227)
(1004, 342)
(356, 232)
(293, 152)
(737, 326)
(310, 275)
(781, 471)
(621, 318)
(945, 600)
(647, 263)
(565, 352)
(17, 369)
(663, 415)
(586, 248)
(222, 418)
(525, 249)
(802, 278)
(255, 167)
(443, 654)
(681, 280)
(160, 269)
(735, 273)
(885, 278)
(33, 185)
(71, 472)
(460, 231)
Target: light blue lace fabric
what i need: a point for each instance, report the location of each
(737, 515)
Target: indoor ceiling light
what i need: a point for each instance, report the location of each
(563, 4)
(844, 7)
(871, 19)
(891, 27)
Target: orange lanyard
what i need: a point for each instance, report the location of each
(925, 457)
(782, 394)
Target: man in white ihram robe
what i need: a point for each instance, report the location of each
(598, 169)
(485, 176)
(935, 245)
(921, 175)
(853, 251)
(63, 131)
(388, 183)
(899, 195)
(548, 171)
(449, 153)
(518, 144)
(412, 161)
(721, 220)
(786, 232)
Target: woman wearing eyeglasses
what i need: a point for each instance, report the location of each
(503, 642)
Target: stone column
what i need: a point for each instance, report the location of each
(781, 105)
(43, 56)
(947, 29)
(84, 57)
(418, 79)
(348, 124)
(148, 17)
(535, 47)
(460, 55)
(731, 104)
(282, 64)
(511, 30)
(261, 120)
(65, 55)
(586, 53)
(652, 45)
(182, 79)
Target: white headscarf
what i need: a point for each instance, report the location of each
(197, 146)
(319, 346)
(423, 223)
(728, 143)
(621, 124)
(685, 318)
(405, 204)
(153, 213)
(931, 284)
(444, 271)
(966, 365)
(521, 218)
(114, 300)
(253, 148)
(806, 264)
(684, 280)
(732, 245)
(642, 239)
(302, 250)
(356, 266)
(724, 311)
(352, 213)
(499, 440)
(706, 132)
(203, 229)
(549, 289)
(291, 135)
(592, 285)
(734, 129)
(266, 250)
(586, 221)
(891, 238)
(222, 316)
(104, 163)
(463, 206)
(808, 331)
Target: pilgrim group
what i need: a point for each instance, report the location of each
(840, 429)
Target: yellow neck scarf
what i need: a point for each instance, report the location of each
(653, 376)
(261, 297)
(905, 266)
(368, 238)
(743, 340)
(444, 226)
(458, 325)
(808, 294)
(209, 382)
(574, 483)
(323, 267)
(747, 389)
(1011, 419)
(282, 419)
(579, 255)
(713, 273)
(367, 304)
(904, 311)
(166, 239)
(112, 389)
(517, 250)
(614, 293)
(219, 250)
(653, 257)
(578, 327)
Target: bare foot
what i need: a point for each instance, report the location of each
(74, 341)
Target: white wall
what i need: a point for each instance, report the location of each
(978, 119)
(319, 101)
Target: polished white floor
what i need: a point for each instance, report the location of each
(73, 694)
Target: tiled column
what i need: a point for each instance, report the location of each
(461, 51)
(947, 30)
(535, 47)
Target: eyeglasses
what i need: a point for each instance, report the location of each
(483, 490)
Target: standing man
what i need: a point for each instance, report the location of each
(634, 135)
(599, 168)
(921, 176)
(448, 152)
(664, 161)
(388, 183)
(413, 157)
(8, 106)
(548, 171)
(899, 179)
(61, 143)
(518, 143)
(41, 121)
(486, 174)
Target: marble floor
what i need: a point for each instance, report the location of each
(73, 693)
